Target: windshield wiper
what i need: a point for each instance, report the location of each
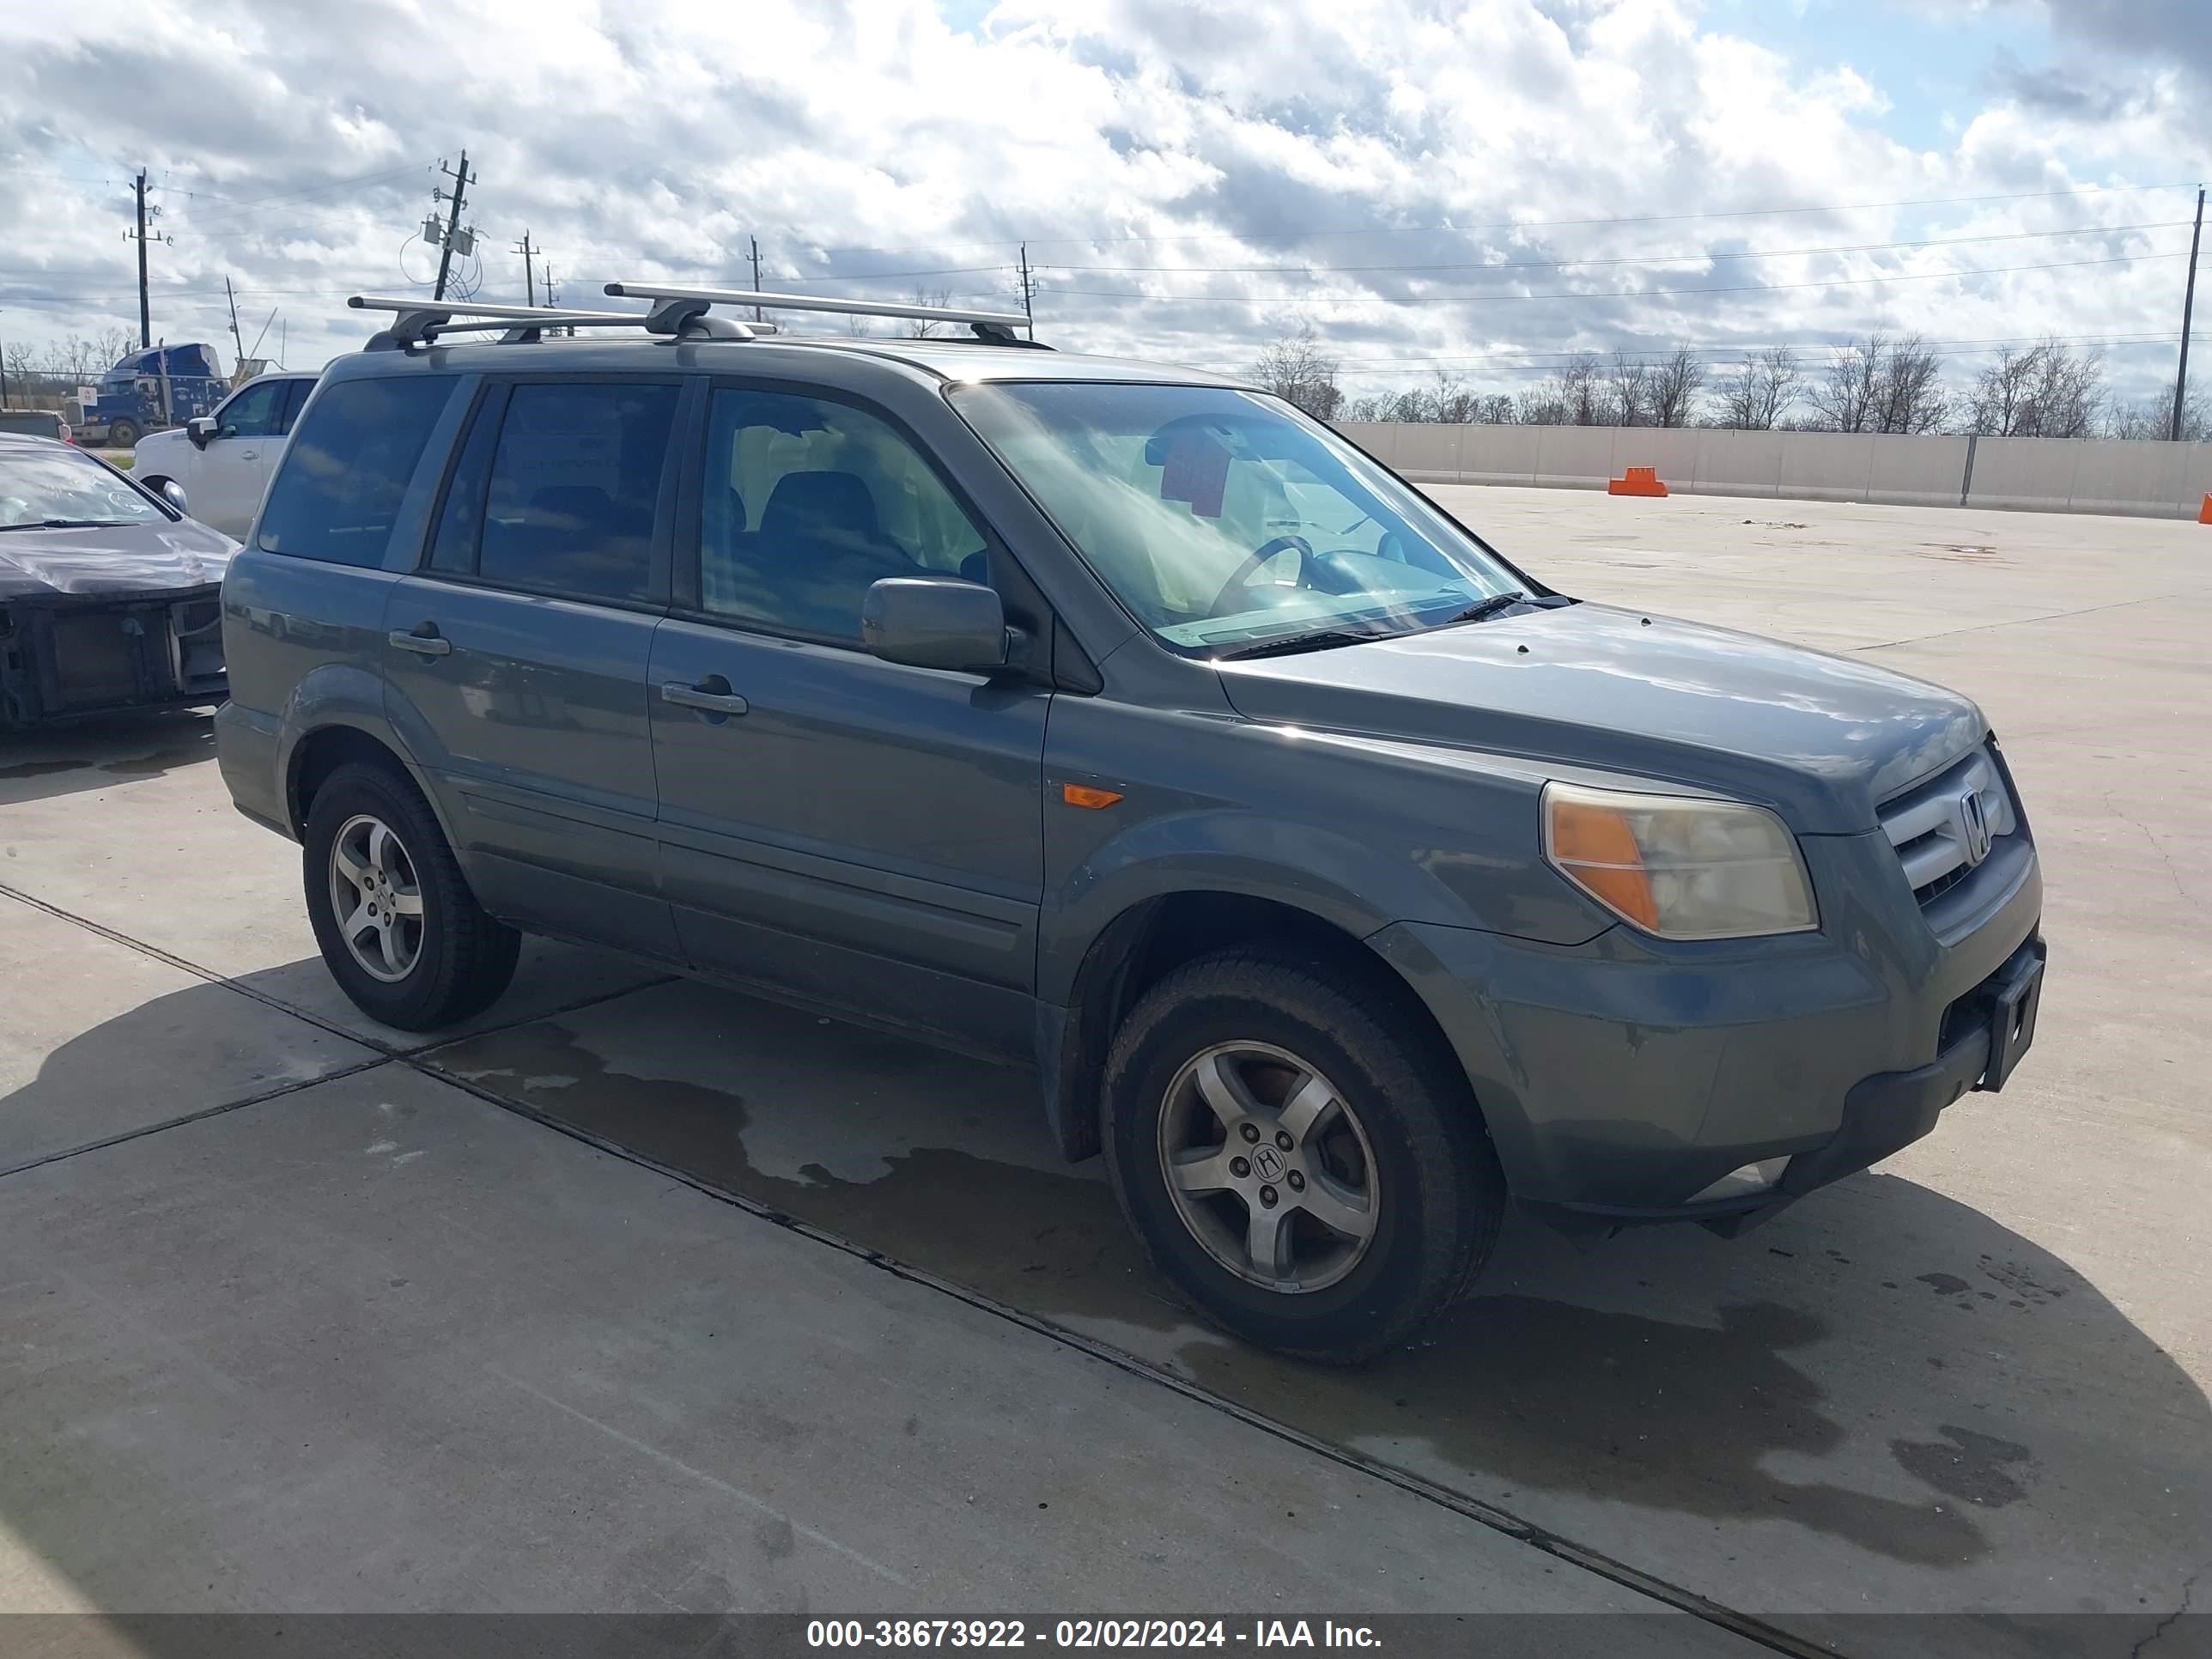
(1320, 639)
(71, 523)
(1483, 610)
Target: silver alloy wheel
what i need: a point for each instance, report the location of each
(376, 898)
(1269, 1167)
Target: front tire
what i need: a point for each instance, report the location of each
(123, 435)
(399, 929)
(1296, 1155)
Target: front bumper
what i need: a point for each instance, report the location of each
(68, 656)
(1621, 1078)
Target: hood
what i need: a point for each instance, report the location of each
(120, 560)
(1822, 738)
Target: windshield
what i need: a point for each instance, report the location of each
(46, 486)
(1223, 519)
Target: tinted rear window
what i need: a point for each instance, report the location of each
(574, 486)
(344, 477)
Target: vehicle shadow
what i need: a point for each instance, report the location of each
(96, 754)
(1881, 1365)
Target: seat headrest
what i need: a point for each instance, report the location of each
(812, 503)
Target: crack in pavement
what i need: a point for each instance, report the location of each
(2188, 1595)
(2022, 622)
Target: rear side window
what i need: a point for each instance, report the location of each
(344, 476)
(294, 395)
(575, 480)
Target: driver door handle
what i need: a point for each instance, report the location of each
(711, 696)
(423, 640)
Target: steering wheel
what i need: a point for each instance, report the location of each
(1256, 560)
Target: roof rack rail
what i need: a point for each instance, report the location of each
(992, 327)
(417, 321)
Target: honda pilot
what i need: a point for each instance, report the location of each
(1342, 881)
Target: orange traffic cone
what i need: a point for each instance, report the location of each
(2205, 513)
(1645, 481)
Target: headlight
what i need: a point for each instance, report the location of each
(1679, 868)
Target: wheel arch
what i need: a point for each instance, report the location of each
(1151, 936)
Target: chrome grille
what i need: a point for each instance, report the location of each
(1932, 825)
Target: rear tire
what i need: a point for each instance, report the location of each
(1296, 1155)
(411, 947)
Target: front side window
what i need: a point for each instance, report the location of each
(345, 477)
(808, 502)
(575, 483)
(60, 486)
(1221, 519)
(256, 412)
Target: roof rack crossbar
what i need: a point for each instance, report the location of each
(995, 327)
(416, 321)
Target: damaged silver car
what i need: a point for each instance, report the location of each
(108, 592)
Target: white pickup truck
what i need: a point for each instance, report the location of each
(223, 461)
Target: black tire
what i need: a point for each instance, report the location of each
(123, 434)
(462, 958)
(1439, 1194)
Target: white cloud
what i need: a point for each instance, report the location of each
(1117, 136)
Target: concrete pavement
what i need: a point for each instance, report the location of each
(1973, 1381)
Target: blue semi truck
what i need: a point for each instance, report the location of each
(160, 387)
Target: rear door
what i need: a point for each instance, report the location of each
(865, 834)
(517, 655)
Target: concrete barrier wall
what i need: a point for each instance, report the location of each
(2049, 474)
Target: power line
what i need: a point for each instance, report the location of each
(239, 204)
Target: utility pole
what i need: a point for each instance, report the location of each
(462, 179)
(1029, 291)
(528, 280)
(237, 339)
(2188, 304)
(145, 310)
(755, 240)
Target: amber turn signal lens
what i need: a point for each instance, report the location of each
(1082, 795)
(1594, 846)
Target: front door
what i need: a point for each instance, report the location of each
(863, 834)
(227, 475)
(517, 655)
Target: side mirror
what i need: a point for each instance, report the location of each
(935, 622)
(173, 493)
(199, 429)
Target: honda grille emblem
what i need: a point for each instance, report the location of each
(1973, 827)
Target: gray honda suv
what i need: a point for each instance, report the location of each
(1340, 879)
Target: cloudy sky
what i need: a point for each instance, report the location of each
(1485, 185)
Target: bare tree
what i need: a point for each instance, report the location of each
(1628, 383)
(928, 328)
(2070, 394)
(1908, 392)
(1294, 366)
(2153, 418)
(1676, 382)
(1493, 408)
(1998, 405)
(1842, 398)
(1766, 384)
(1541, 405)
(1582, 388)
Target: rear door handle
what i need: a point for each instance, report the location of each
(423, 640)
(712, 695)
